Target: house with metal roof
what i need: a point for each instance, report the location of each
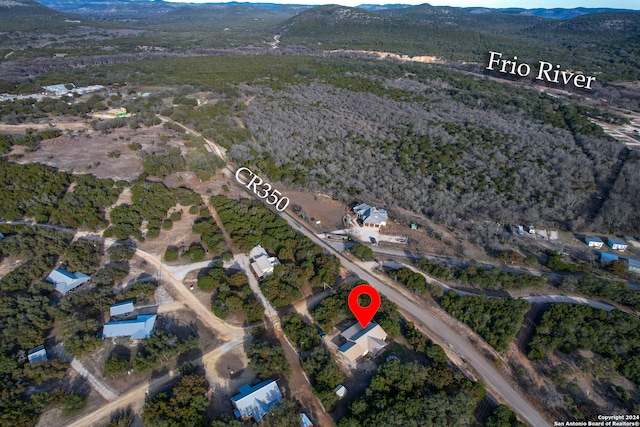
(371, 216)
(634, 265)
(64, 281)
(261, 263)
(139, 328)
(362, 341)
(617, 244)
(607, 257)
(254, 402)
(305, 421)
(121, 308)
(593, 242)
(38, 354)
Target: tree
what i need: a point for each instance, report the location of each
(268, 361)
(120, 253)
(502, 416)
(185, 406)
(116, 366)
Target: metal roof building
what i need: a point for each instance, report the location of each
(64, 281)
(136, 329)
(38, 354)
(617, 244)
(121, 308)
(254, 402)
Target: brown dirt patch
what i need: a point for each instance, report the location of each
(87, 152)
(319, 208)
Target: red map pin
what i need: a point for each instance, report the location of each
(364, 314)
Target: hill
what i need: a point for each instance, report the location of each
(606, 44)
(26, 15)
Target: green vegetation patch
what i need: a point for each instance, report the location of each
(497, 320)
(615, 335)
(483, 278)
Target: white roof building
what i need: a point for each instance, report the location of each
(617, 244)
(261, 263)
(38, 354)
(136, 329)
(121, 308)
(254, 402)
(371, 216)
(593, 242)
(362, 341)
(64, 281)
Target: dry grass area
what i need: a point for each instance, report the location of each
(88, 151)
(319, 207)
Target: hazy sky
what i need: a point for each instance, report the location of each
(532, 4)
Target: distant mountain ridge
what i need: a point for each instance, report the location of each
(104, 7)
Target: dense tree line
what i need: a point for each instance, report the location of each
(268, 361)
(423, 345)
(620, 211)
(409, 395)
(30, 139)
(482, 277)
(415, 281)
(614, 335)
(232, 293)
(250, 223)
(362, 251)
(325, 376)
(150, 201)
(465, 158)
(497, 320)
(502, 416)
(185, 405)
(41, 192)
(210, 234)
(615, 291)
(83, 206)
(298, 331)
(159, 347)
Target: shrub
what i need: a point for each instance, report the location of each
(171, 254)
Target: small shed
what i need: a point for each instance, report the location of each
(340, 391)
(38, 354)
(617, 244)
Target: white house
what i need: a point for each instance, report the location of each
(362, 341)
(634, 265)
(617, 244)
(254, 402)
(340, 391)
(593, 242)
(261, 263)
(370, 216)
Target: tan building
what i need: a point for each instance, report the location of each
(362, 341)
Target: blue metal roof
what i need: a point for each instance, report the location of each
(305, 421)
(121, 308)
(142, 327)
(256, 401)
(605, 256)
(65, 281)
